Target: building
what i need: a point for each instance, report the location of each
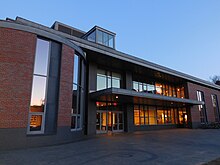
(61, 84)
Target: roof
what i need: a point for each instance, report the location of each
(130, 96)
(120, 55)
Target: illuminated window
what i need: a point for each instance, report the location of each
(141, 116)
(159, 88)
(39, 85)
(136, 115)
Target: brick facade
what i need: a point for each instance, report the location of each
(66, 84)
(192, 88)
(17, 51)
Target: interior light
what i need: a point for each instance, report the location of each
(116, 97)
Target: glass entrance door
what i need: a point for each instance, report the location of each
(117, 122)
(101, 122)
(109, 121)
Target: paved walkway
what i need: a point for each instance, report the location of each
(173, 147)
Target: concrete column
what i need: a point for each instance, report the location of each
(129, 118)
(91, 109)
(128, 79)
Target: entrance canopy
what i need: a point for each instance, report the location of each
(129, 96)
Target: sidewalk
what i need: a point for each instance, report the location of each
(171, 147)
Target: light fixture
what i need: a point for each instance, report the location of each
(116, 97)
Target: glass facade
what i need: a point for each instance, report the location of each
(77, 94)
(39, 87)
(159, 88)
(151, 115)
(101, 37)
(108, 79)
(202, 108)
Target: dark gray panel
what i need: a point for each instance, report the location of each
(17, 138)
(129, 82)
(129, 118)
(53, 89)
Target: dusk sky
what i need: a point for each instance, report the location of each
(183, 35)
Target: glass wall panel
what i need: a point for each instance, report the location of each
(92, 36)
(152, 115)
(136, 115)
(151, 88)
(36, 122)
(108, 79)
(159, 88)
(41, 57)
(115, 83)
(77, 95)
(76, 69)
(38, 93)
(148, 115)
(105, 39)
(160, 117)
(111, 41)
(101, 82)
(135, 86)
(39, 85)
(202, 108)
(74, 99)
(99, 37)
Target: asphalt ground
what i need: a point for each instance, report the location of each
(167, 147)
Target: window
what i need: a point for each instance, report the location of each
(165, 116)
(215, 107)
(76, 113)
(160, 89)
(105, 38)
(92, 37)
(107, 79)
(150, 115)
(39, 87)
(143, 87)
(141, 116)
(202, 109)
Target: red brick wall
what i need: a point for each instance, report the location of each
(192, 88)
(17, 51)
(66, 83)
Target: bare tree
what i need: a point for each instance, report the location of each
(215, 79)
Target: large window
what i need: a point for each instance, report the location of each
(202, 108)
(39, 87)
(105, 39)
(102, 37)
(215, 107)
(107, 79)
(159, 88)
(77, 98)
(150, 115)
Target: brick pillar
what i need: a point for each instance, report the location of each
(17, 52)
(66, 84)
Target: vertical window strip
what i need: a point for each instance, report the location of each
(39, 88)
(76, 113)
(202, 108)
